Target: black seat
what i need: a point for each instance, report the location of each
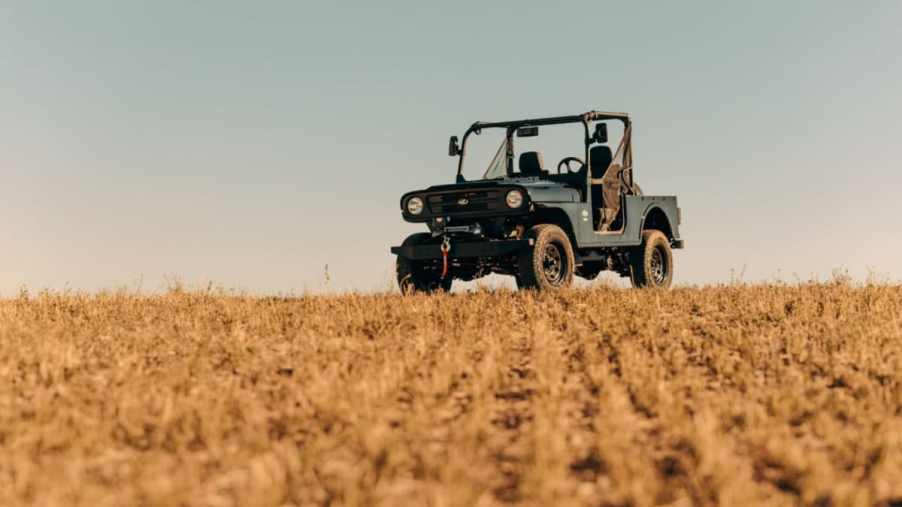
(531, 164)
(599, 159)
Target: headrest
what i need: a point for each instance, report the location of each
(599, 159)
(531, 163)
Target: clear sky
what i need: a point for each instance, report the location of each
(253, 143)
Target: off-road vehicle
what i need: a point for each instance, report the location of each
(541, 227)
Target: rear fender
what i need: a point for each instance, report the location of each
(664, 218)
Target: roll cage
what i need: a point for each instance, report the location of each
(585, 119)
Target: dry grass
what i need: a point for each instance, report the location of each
(746, 395)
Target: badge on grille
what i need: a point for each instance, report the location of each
(463, 201)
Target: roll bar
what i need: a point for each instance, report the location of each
(511, 126)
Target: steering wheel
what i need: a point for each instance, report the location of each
(566, 163)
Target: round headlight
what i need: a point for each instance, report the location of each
(415, 205)
(514, 199)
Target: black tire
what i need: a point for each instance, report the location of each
(413, 276)
(651, 263)
(549, 263)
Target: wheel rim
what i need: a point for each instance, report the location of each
(553, 264)
(658, 267)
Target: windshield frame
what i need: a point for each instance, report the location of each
(512, 126)
(501, 157)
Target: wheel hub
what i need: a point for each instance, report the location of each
(658, 267)
(552, 264)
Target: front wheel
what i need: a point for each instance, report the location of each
(417, 276)
(651, 263)
(549, 263)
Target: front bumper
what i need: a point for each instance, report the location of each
(462, 249)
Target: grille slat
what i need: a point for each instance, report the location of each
(477, 200)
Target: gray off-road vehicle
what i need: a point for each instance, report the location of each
(539, 226)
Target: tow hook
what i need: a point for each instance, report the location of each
(446, 247)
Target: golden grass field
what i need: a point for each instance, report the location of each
(737, 395)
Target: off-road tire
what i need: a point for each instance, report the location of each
(651, 263)
(549, 263)
(411, 275)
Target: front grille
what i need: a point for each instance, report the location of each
(465, 202)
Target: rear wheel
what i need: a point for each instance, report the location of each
(549, 263)
(651, 263)
(418, 276)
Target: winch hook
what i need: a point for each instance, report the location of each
(446, 247)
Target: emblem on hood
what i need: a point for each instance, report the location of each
(463, 201)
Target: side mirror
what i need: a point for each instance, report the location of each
(453, 147)
(601, 133)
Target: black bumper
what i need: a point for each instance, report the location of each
(463, 249)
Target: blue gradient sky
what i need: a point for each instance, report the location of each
(252, 145)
